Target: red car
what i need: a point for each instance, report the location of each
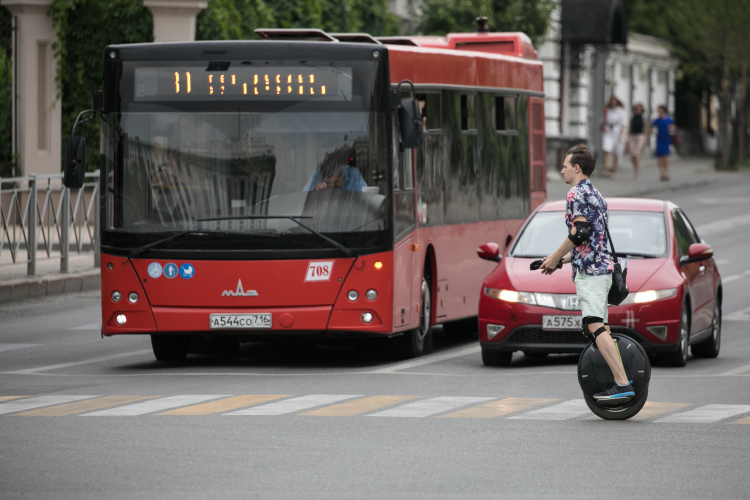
(675, 287)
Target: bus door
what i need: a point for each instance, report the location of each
(405, 223)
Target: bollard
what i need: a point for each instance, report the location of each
(31, 227)
(64, 229)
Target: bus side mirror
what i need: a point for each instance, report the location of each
(75, 161)
(489, 251)
(410, 120)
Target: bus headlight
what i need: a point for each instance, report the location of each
(352, 295)
(121, 319)
(367, 317)
(510, 295)
(371, 294)
(116, 296)
(132, 297)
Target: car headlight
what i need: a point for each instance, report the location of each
(649, 296)
(510, 295)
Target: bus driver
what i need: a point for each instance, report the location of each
(337, 171)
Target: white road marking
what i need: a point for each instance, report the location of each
(741, 315)
(707, 414)
(724, 225)
(723, 201)
(18, 405)
(427, 407)
(293, 405)
(736, 371)
(10, 347)
(60, 366)
(563, 411)
(475, 349)
(154, 405)
(734, 277)
(88, 326)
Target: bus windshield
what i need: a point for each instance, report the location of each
(233, 139)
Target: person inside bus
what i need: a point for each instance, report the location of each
(337, 170)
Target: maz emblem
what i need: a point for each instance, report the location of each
(239, 292)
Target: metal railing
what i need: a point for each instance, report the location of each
(42, 219)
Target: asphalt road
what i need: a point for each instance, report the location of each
(336, 422)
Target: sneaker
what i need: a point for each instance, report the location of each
(615, 392)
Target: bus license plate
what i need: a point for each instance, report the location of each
(239, 321)
(566, 322)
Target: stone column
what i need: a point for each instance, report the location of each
(174, 20)
(39, 110)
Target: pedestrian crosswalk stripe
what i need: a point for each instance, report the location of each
(225, 405)
(707, 414)
(744, 420)
(20, 405)
(293, 405)
(562, 411)
(154, 405)
(82, 406)
(499, 408)
(8, 398)
(427, 407)
(359, 406)
(653, 409)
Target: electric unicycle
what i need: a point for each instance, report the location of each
(595, 376)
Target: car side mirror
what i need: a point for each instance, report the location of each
(697, 252)
(75, 161)
(489, 251)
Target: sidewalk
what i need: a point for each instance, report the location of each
(16, 285)
(684, 173)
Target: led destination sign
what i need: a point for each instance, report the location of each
(244, 82)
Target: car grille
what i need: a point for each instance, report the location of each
(535, 335)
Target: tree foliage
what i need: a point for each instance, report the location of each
(238, 19)
(440, 17)
(84, 28)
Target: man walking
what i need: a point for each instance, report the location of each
(587, 248)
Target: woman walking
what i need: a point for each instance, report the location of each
(663, 127)
(637, 139)
(615, 120)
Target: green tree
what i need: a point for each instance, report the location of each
(440, 17)
(84, 28)
(238, 19)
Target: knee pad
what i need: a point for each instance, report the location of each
(585, 322)
(582, 233)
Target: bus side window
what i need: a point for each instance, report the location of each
(429, 106)
(468, 112)
(505, 113)
(403, 184)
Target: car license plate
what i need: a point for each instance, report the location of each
(566, 322)
(239, 321)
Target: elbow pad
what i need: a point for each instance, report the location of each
(582, 233)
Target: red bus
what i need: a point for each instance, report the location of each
(261, 189)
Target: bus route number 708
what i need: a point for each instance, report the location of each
(319, 271)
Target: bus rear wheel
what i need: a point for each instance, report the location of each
(416, 342)
(170, 347)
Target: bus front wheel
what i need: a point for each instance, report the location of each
(418, 341)
(170, 347)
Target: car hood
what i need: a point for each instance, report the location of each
(639, 271)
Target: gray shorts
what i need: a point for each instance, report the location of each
(592, 294)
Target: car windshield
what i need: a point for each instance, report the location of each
(285, 140)
(639, 234)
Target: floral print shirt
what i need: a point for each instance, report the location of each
(592, 257)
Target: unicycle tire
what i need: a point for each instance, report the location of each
(622, 412)
(595, 376)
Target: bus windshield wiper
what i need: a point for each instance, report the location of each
(145, 248)
(292, 218)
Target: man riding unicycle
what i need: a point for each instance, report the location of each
(587, 249)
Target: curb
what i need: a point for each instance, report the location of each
(52, 284)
